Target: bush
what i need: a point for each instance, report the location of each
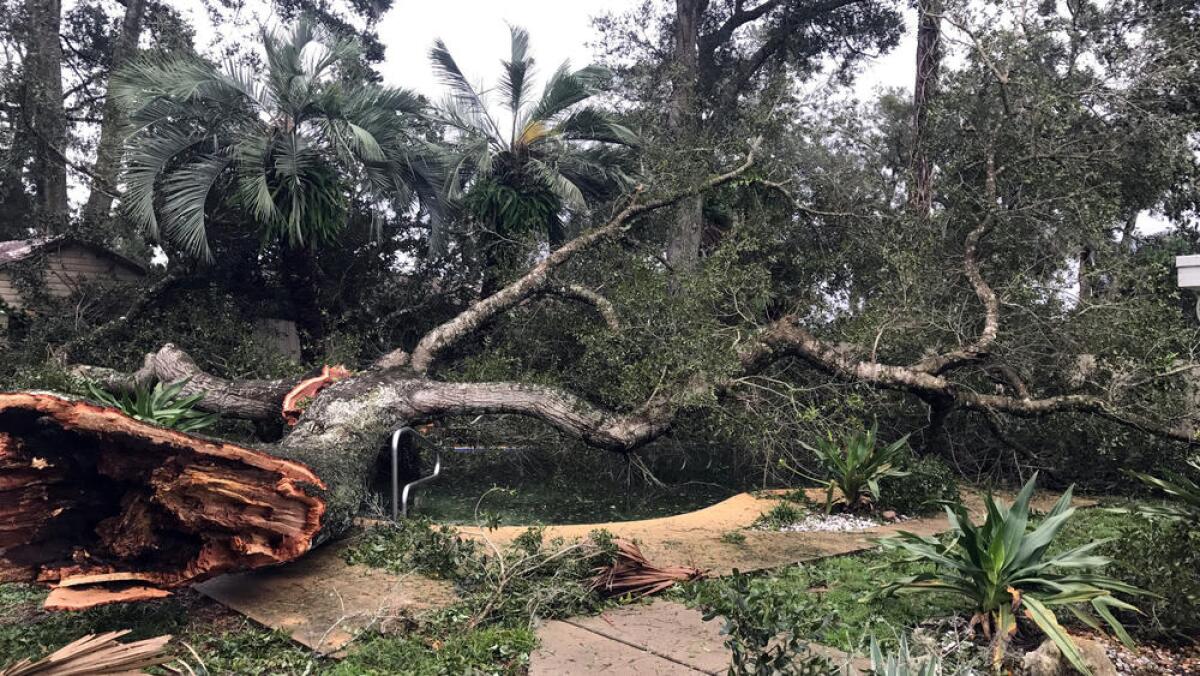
(1163, 558)
(929, 481)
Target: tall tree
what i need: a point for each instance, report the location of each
(291, 147)
(929, 57)
(717, 59)
(547, 157)
(107, 167)
(44, 118)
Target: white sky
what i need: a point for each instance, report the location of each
(476, 31)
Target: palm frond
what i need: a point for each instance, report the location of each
(185, 192)
(145, 164)
(470, 103)
(565, 89)
(593, 124)
(517, 70)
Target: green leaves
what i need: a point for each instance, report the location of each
(1186, 507)
(1002, 566)
(163, 405)
(576, 154)
(291, 145)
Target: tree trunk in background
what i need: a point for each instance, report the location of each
(928, 63)
(302, 277)
(108, 150)
(683, 248)
(44, 115)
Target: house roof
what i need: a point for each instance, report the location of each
(20, 249)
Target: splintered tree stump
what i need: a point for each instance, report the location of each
(103, 508)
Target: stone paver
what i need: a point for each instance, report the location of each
(661, 637)
(565, 649)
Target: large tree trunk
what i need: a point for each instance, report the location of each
(683, 247)
(301, 274)
(45, 118)
(108, 150)
(929, 59)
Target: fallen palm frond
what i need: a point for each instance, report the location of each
(96, 654)
(630, 573)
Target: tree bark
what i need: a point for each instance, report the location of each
(687, 225)
(929, 59)
(302, 274)
(108, 149)
(44, 115)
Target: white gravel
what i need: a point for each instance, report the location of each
(830, 523)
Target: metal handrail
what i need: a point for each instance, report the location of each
(400, 499)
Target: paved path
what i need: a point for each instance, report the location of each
(663, 638)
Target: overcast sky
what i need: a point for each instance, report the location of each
(476, 31)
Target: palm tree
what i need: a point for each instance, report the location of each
(290, 144)
(522, 172)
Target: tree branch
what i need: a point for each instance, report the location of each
(443, 337)
(583, 294)
(246, 399)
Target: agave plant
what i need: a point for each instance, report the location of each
(1005, 570)
(291, 143)
(161, 405)
(855, 464)
(901, 663)
(1185, 507)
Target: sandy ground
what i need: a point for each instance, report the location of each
(695, 538)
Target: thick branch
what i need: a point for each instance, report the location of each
(978, 349)
(443, 337)
(560, 409)
(787, 338)
(583, 294)
(247, 399)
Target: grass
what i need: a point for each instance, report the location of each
(227, 643)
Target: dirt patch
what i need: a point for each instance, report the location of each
(322, 602)
(695, 538)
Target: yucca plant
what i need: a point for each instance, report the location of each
(901, 663)
(855, 464)
(1185, 507)
(161, 405)
(1005, 570)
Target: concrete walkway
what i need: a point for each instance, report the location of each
(663, 638)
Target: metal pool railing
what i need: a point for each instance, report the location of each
(400, 498)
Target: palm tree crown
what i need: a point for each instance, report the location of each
(291, 144)
(553, 155)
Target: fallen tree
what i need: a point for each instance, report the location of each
(104, 508)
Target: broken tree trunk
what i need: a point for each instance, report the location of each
(104, 508)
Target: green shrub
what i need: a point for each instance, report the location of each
(1003, 570)
(929, 482)
(1162, 557)
(762, 639)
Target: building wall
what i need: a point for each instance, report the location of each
(69, 267)
(8, 293)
